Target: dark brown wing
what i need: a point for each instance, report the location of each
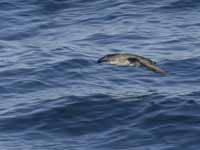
(152, 67)
(133, 60)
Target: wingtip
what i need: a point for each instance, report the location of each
(162, 72)
(155, 68)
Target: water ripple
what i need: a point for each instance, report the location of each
(54, 94)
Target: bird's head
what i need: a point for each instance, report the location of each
(108, 59)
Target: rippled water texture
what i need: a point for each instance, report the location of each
(54, 96)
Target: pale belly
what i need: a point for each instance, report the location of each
(125, 63)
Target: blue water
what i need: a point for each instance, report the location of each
(54, 96)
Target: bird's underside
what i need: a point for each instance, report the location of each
(131, 60)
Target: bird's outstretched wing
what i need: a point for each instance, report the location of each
(153, 67)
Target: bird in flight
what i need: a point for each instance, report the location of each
(125, 59)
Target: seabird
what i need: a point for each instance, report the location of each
(125, 59)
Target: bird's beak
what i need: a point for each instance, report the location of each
(102, 60)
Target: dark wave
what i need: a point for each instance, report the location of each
(78, 116)
(181, 5)
(72, 112)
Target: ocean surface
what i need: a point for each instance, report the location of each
(55, 96)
